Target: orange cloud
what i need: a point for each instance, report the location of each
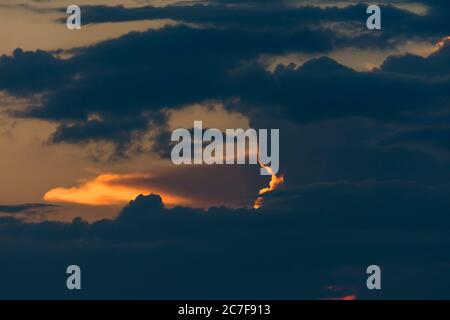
(441, 43)
(340, 296)
(108, 189)
(345, 298)
(275, 183)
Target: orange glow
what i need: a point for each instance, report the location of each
(107, 189)
(441, 43)
(275, 183)
(340, 289)
(345, 298)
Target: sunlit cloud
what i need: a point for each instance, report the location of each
(108, 189)
(275, 183)
(338, 294)
(441, 43)
(344, 298)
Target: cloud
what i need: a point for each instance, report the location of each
(119, 90)
(432, 20)
(334, 231)
(284, 15)
(433, 139)
(126, 134)
(128, 109)
(25, 73)
(354, 196)
(154, 70)
(322, 89)
(106, 189)
(437, 64)
(29, 208)
(28, 212)
(178, 185)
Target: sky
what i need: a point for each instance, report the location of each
(86, 176)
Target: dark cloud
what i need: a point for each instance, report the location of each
(271, 15)
(437, 64)
(27, 212)
(29, 207)
(124, 132)
(139, 103)
(279, 15)
(435, 138)
(130, 82)
(136, 83)
(323, 89)
(333, 232)
(26, 73)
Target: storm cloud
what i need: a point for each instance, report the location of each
(328, 238)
